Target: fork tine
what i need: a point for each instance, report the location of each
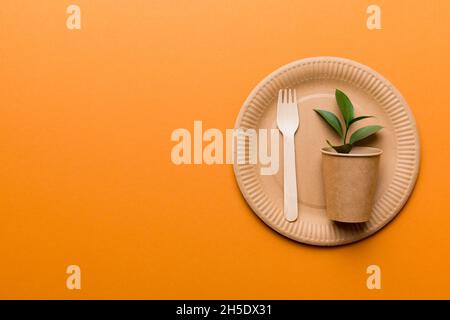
(285, 98)
(295, 96)
(280, 96)
(291, 98)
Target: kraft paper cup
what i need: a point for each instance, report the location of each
(350, 182)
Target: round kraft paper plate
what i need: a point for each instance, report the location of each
(315, 81)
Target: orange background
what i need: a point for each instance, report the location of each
(85, 170)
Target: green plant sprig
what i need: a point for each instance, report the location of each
(348, 114)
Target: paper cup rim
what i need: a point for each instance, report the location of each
(361, 152)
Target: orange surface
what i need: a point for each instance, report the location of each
(85, 170)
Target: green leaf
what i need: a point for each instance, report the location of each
(357, 119)
(331, 119)
(345, 148)
(345, 105)
(363, 133)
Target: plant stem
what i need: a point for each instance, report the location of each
(346, 131)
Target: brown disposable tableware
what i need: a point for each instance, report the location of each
(350, 182)
(315, 81)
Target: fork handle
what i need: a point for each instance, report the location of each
(290, 179)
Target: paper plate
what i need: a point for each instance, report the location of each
(315, 80)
